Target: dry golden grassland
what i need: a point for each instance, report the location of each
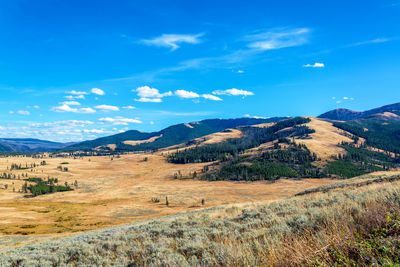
(354, 225)
(325, 139)
(112, 192)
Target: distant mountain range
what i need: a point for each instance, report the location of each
(170, 136)
(342, 114)
(29, 145)
(134, 140)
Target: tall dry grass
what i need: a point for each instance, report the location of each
(344, 226)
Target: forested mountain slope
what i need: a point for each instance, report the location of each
(172, 135)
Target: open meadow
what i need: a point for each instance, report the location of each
(114, 190)
(353, 222)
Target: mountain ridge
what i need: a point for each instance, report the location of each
(29, 145)
(172, 135)
(343, 114)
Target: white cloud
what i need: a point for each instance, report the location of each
(186, 94)
(62, 131)
(315, 65)
(86, 110)
(255, 117)
(120, 120)
(240, 71)
(128, 107)
(151, 100)
(151, 122)
(277, 39)
(71, 97)
(107, 108)
(66, 108)
(11, 112)
(146, 91)
(97, 91)
(73, 92)
(66, 123)
(172, 40)
(148, 94)
(23, 112)
(373, 41)
(233, 92)
(97, 131)
(211, 97)
(71, 103)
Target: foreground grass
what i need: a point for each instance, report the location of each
(356, 225)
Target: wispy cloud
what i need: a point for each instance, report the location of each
(380, 40)
(107, 108)
(96, 131)
(34, 106)
(341, 99)
(373, 41)
(119, 120)
(315, 65)
(23, 112)
(277, 39)
(20, 112)
(211, 97)
(72, 97)
(66, 130)
(73, 92)
(128, 107)
(255, 117)
(67, 108)
(173, 40)
(190, 94)
(149, 100)
(233, 92)
(65, 123)
(71, 103)
(254, 45)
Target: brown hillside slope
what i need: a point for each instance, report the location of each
(325, 139)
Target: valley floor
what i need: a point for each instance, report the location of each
(353, 222)
(116, 191)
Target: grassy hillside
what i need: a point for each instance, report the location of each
(170, 136)
(355, 222)
(252, 137)
(287, 157)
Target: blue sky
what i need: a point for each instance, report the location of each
(76, 70)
